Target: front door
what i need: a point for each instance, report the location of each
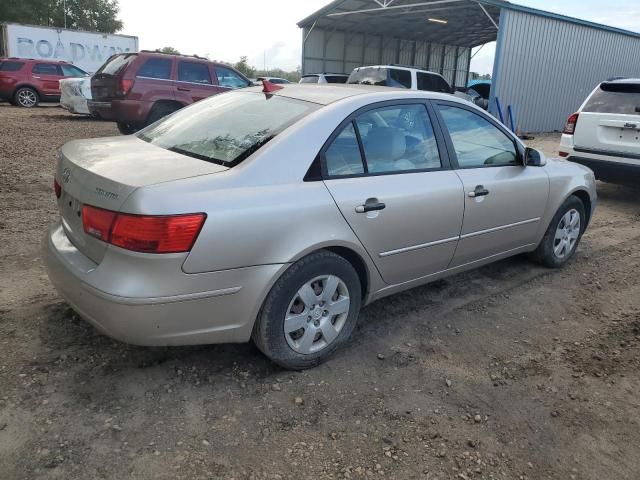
(504, 200)
(398, 194)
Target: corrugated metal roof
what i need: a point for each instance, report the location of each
(467, 25)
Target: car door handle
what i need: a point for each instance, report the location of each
(480, 191)
(371, 205)
(180, 89)
(36, 77)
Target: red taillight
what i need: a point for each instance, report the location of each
(570, 127)
(143, 233)
(563, 154)
(97, 222)
(57, 188)
(125, 85)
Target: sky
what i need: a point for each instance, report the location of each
(266, 30)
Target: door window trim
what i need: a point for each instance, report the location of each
(320, 160)
(449, 142)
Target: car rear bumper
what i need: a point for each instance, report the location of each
(216, 307)
(127, 111)
(610, 171)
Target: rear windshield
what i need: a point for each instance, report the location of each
(385, 77)
(226, 129)
(9, 66)
(116, 64)
(623, 98)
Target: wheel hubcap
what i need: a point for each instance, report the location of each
(316, 314)
(27, 98)
(567, 234)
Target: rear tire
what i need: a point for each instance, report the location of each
(158, 112)
(321, 296)
(26, 97)
(127, 128)
(563, 235)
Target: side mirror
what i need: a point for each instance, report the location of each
(533, 158)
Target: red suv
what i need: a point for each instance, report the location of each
(26, 82)
(137, 89)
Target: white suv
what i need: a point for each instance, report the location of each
(604, 134)
(323, 78)
(402, 76)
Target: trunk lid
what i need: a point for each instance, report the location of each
(104, 172)
(610, 120)
(104, 87)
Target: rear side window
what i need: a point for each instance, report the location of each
(194, 72)
(71, 71)
(10, 66)
(117, 64)
(621, 98)
(46, 69)
(336, 79)
(343, 156)
(432, 83)
(310, 79)
(156, 68)
(230, 79)
(399, 78)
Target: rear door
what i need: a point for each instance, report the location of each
(47, 78)
(504, 200)
(388, 172)
(193, 82)
(609, 122)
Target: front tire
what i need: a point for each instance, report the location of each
(310, 311)
(26, 97)
(126, 128)
(563, 235)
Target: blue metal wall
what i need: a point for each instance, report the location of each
(546, 67)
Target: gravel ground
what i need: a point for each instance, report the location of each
(508, 372)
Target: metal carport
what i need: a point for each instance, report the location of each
(545, 64)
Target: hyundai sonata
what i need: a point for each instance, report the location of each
(274, 215)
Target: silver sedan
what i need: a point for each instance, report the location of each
(276, 215)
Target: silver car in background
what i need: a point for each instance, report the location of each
(275, 216)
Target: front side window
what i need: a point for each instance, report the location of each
(71, 71)
(230, 79)
(343, 156)
(10, 66)
(226, 129)
(476, 141)
(615, 97)
(46, 69)
(159, 68)
(432, 83)
(194, 72)
(399, 78)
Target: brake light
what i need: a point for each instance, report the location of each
(143, 233)
(125, 85)
(570, 127)
(563, 154)
(57, 188)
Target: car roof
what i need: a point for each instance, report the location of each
(327, 94)
(625, 80)
(38, 60)
(399, 67)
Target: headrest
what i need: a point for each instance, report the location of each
(385, 144)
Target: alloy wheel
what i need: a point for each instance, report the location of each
(27, 98)
(316, 314)
(567, 234)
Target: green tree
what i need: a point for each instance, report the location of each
(91, 15)
(243, 67)
(169, 50)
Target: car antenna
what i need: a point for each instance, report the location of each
(268, 87)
